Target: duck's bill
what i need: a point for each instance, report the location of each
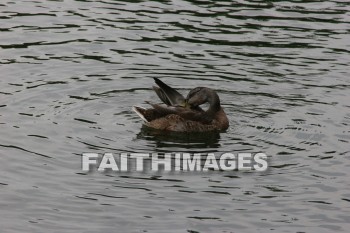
(184, 104)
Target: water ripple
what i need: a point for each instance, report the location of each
(71, 70)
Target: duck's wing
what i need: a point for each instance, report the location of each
(156, 112)
(165, 110)
(196, 116)
(187, 114)
(160, 93)
(167, 94)
(150, 114)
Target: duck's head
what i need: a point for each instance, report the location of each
(195, 97)
(199, 96)
(202, 95)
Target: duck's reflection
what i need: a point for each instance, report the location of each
(166, 139)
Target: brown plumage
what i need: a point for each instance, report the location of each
(184, 115)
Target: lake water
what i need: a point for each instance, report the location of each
(71, 70)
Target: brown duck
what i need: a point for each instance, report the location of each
(184, 114)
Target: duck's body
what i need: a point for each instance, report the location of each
(177, 123)
(184, 115)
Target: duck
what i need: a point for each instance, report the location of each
(180, 114)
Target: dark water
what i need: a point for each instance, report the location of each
(71, 70)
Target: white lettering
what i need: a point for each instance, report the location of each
(87, 160)
(260, 158)
(230, 158)
(243, 159)
(139, 160)
(156, 161)
(211, 162)
(108, 161)
(191, 164)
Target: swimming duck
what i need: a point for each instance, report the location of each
(184, 114)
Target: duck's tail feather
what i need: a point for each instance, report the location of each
(141, 112)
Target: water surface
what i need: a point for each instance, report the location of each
(71, 70)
